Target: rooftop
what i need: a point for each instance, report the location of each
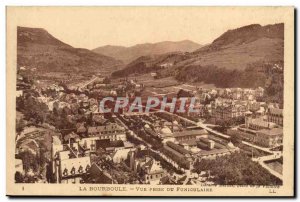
(271, 132)
(189, 132)
(275, 111)
(213, 152)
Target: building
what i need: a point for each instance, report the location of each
(259, 92)
(110, 131)
(211, 147)
(189, 135)
(226, 112)
(89, 143)
(167, 64)
(120, 155)
(69, 162)
(149, 170)
(205, 143)
(257, 123)
(178, 155)
(259, 131)
(154, 75)
(72, 169)
(96, 175)
(270, 137)
(275, 115)
(214, 153)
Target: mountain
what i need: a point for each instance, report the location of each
(237, 48)
(128, 54)
(36, 48)
(151, 63)
(240, 57)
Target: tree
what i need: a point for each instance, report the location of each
(235, 139)
(29, 160)
(236, 169)
(100, 152)
(20, 124)
(19, 178)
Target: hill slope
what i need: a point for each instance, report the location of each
(233, 50)
(237, 48)
(128, 54)
(36, 48)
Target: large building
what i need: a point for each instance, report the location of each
(258, 123)
(275, 115)
(270, 137)
(111, 131)
(260, 131)
(69, 162)
(189, 135)
(226, 112)
(180, 136)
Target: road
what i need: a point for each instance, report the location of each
(260, 148)
(262, 160)
(88, 82)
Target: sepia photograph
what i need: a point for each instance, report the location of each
(150, 101)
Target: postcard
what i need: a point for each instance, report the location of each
(150, 101)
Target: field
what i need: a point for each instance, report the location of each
(166, 85)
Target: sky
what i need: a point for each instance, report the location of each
(91, 27)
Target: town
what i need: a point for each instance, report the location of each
(62, 136)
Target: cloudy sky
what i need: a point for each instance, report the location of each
(91, 27)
